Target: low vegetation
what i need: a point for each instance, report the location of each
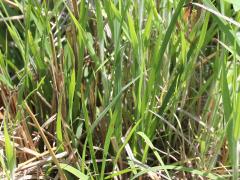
(118, 89)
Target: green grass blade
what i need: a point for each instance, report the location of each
(74, 171)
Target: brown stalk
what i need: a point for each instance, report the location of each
(54, 64)
(12, 18)
(34, 158)
(11, 3)
(27, 136)
(75, 8)
(24, 149)
(44, 100)
(72, 31)
(1, 116)
(41, 162)
(55, 160)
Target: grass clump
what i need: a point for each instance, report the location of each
(119, 89)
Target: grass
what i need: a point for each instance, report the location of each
(118, 89)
